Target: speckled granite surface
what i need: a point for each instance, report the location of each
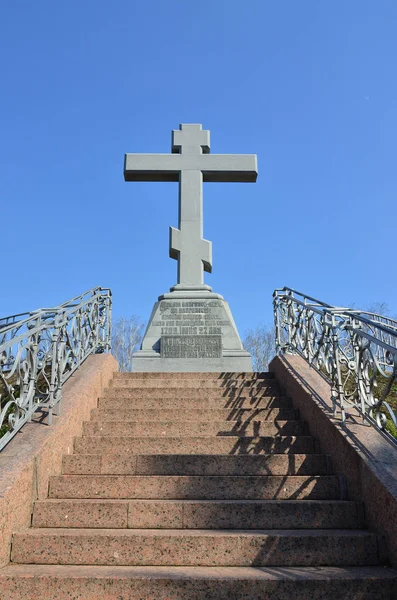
(197, 486)
(196, 583)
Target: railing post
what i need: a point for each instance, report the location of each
(54, 368)
(108, 340)
(276, 322)
(336, 379)
(361, 385)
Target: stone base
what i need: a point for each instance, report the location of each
(191, 331)
(155, 363)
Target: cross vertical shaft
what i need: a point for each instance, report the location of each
(186, 243)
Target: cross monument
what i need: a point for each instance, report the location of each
(190, 164)
(191, 328)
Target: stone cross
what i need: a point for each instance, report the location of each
(190, 164)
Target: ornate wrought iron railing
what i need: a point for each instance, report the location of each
(356, 351)
(40, 350)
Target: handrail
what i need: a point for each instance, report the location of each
(356, 351)
(40, 350)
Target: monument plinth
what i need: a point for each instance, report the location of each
(191, 328)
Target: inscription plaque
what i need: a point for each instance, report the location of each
(193, 318)
(195, 346)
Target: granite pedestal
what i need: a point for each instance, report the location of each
(189, 331)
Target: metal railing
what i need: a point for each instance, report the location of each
(40, 350)
(356, 351)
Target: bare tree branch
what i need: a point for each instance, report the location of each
(260, 342)
(126, 339)
(381, 308)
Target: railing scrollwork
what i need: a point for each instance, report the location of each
(356, 351)
(40, 350)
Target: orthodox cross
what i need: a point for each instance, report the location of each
(190, 164)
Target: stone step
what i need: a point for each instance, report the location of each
(30, 582)
(190, 464)
(195, 487)
(197, 383)
(176, 403)
(192, 394)
(195, 445)
(248, 428)
(194, 414)
(219, 377)
(173, 547)
(198, 514)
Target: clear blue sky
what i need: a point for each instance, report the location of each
(310, 87)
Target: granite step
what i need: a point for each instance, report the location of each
(200, 383)
(195, 445)
(192, 393)
(220, 377)
(196, 487)
(194, 414)
(249, 428)
(30, 582)
(191, 464)
(175, 403)
(198, 514)
(174, 547)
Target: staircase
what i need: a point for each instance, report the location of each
(196, 486)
